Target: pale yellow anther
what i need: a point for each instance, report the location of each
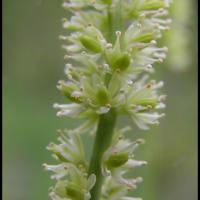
(118, 33)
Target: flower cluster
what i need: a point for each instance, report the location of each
(110, 50)
(70, 152)
(116, 162)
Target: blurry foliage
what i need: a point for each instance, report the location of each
(179, 38)
(32, 64)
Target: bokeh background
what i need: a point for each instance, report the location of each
(32, 65)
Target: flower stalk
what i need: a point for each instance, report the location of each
(102, 142)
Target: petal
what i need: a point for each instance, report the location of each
(102, 110)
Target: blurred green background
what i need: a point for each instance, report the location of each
(33, 63)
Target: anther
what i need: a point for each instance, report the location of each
(140, 141)
(153, 42)
(108, 105)
(108, 45)
(118, 33)
(67, 56)
(62, 37)
(162, 98)
(106, 66)
(130, 82)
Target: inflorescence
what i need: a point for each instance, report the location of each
(111, 48)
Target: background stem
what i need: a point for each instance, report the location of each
(102, 142)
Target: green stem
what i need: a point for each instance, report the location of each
(110, 24)
(119, 26)
(118, 14)
(115, 22)
(102, 142)
(107, 121)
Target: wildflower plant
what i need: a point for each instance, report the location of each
(111, 47)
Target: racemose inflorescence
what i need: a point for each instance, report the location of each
(111, 47)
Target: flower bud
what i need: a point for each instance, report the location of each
(102, 96)
(60, 188)
(121, 62)
(117, 160)
(90, 44)
(74, 192)
(69, 90)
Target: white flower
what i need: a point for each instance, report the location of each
(78, 186)
(118, 159)
(70, 149)
(144, 119)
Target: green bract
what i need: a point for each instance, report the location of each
(111, 47)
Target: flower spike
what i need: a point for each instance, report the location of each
(111, 48)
